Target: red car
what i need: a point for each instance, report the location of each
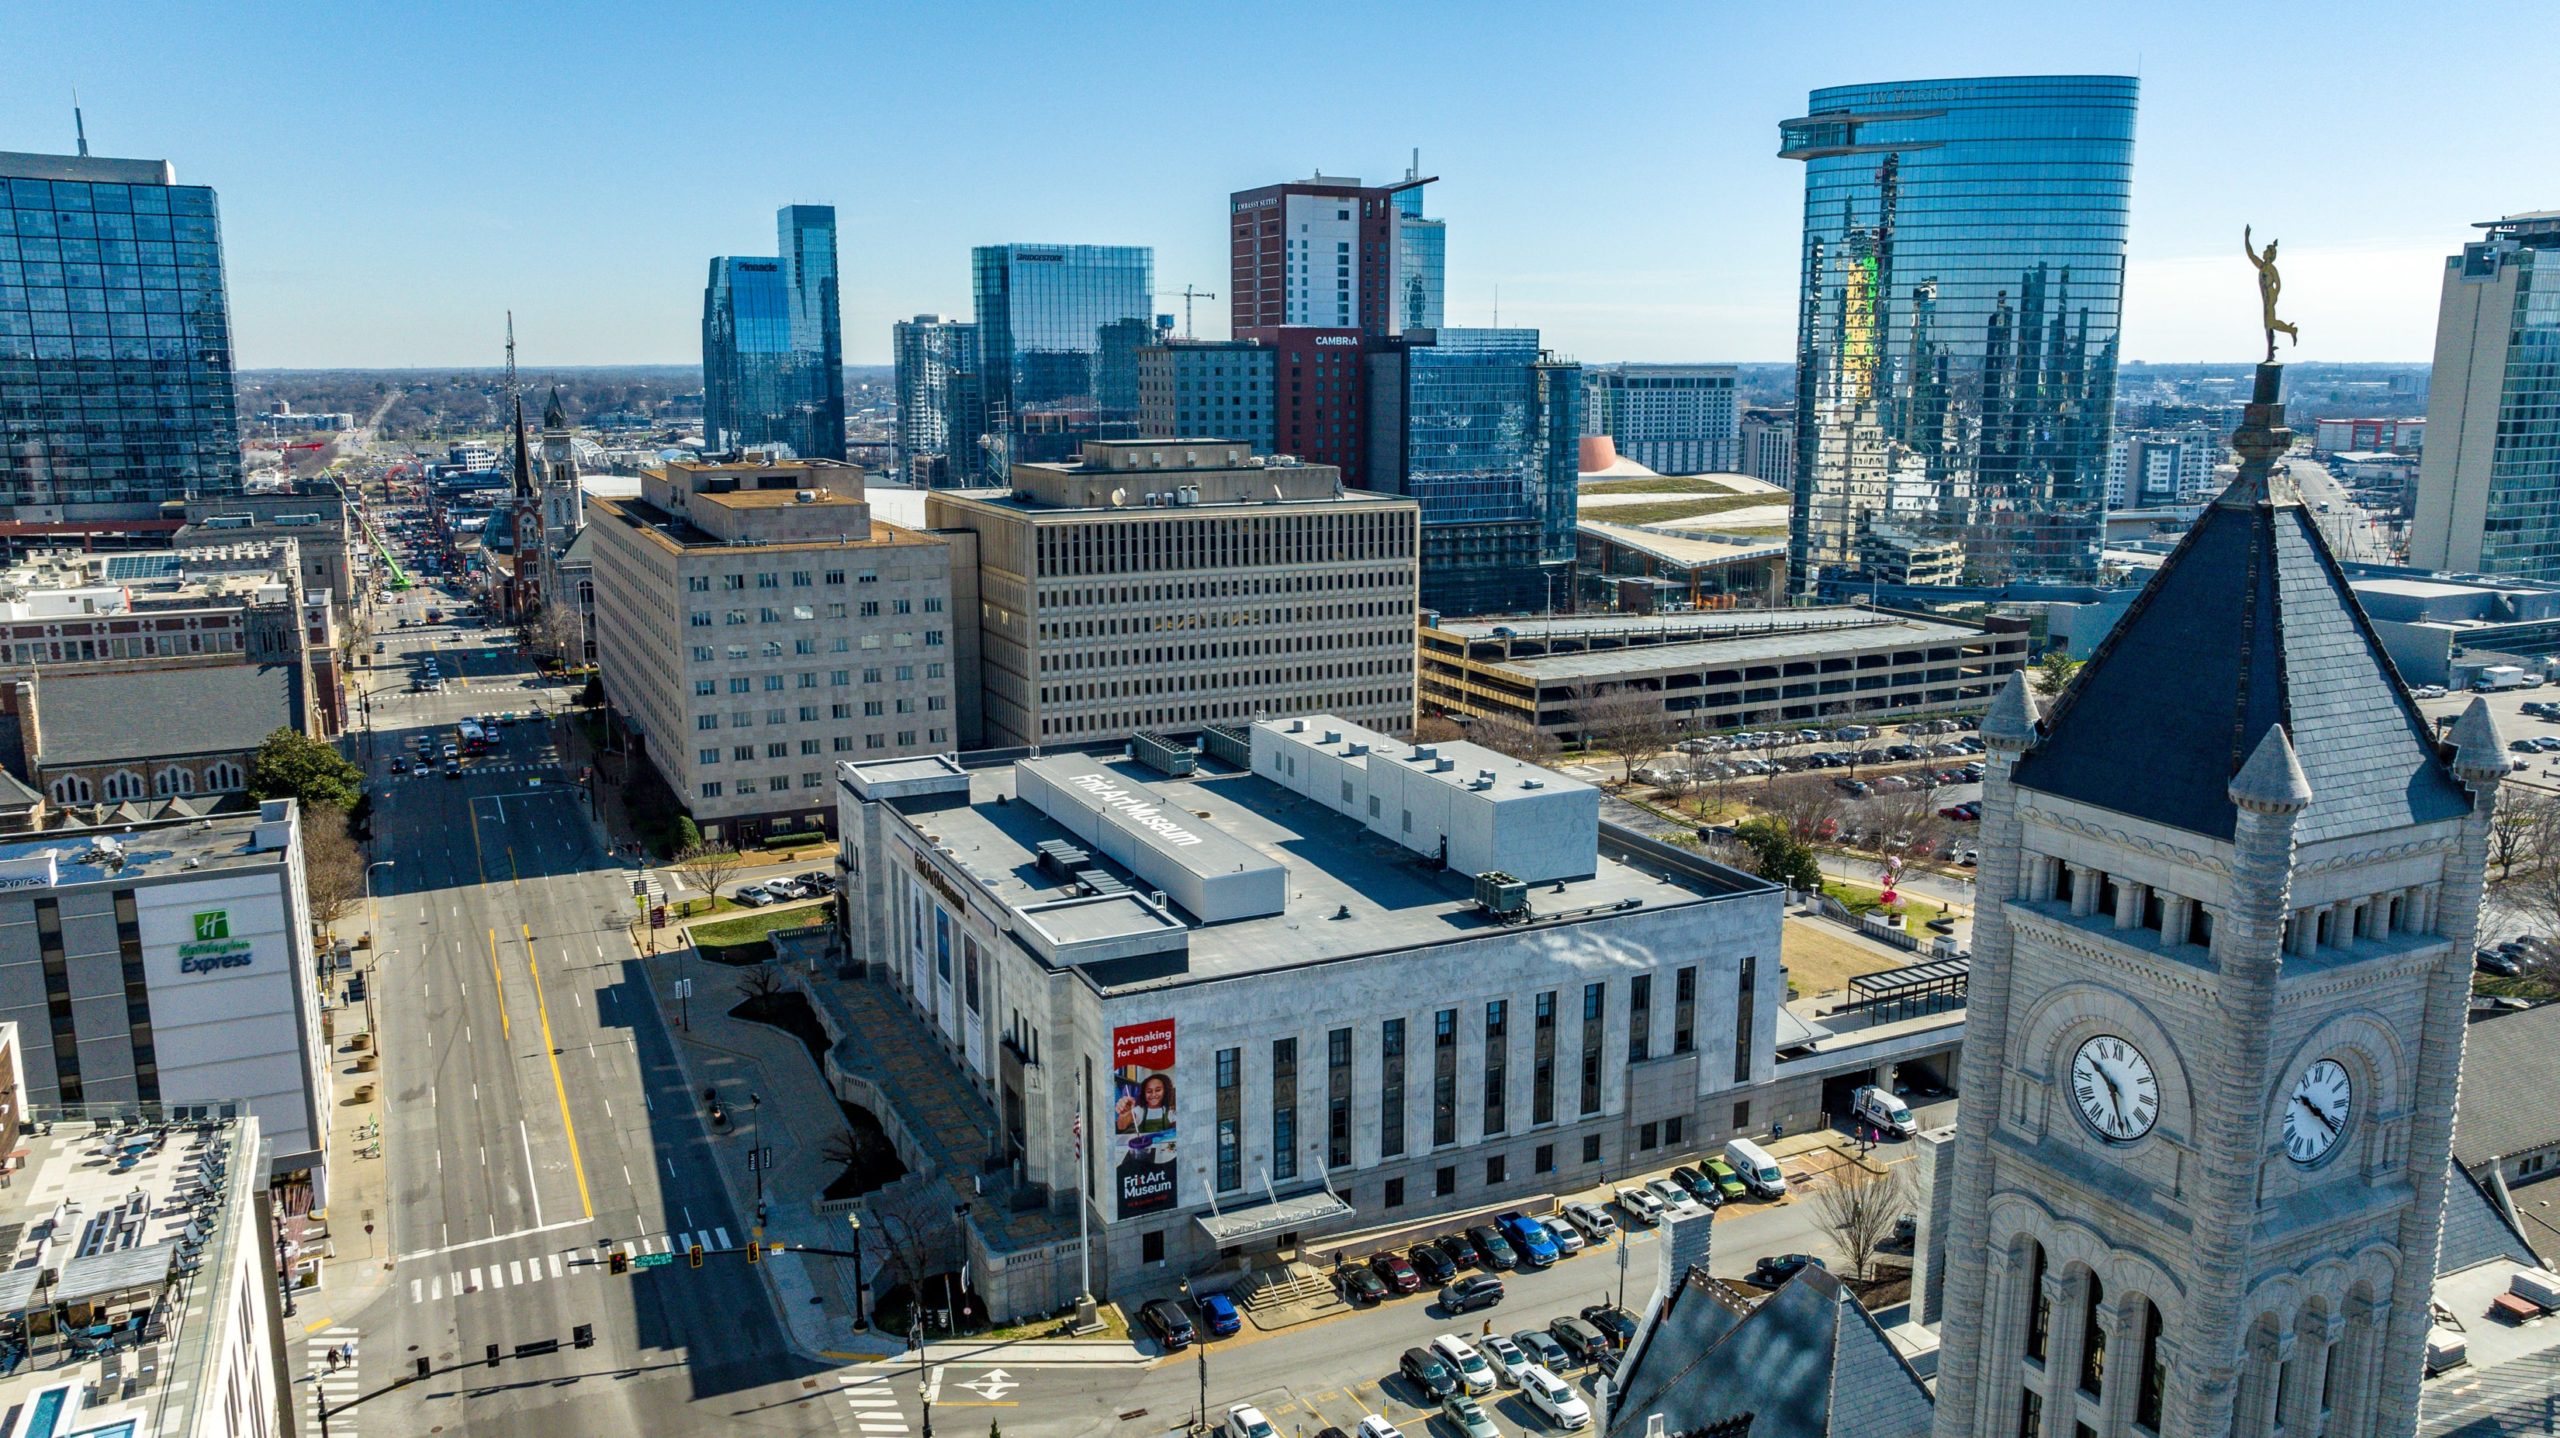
(1398, 1271)
(1962, 813)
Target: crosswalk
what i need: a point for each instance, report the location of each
(875, 1408)
(498, 1275)
(329, 1386)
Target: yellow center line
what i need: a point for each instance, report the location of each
(551, 1052)
(505, 1031)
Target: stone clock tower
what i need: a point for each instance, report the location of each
(2215, 1030)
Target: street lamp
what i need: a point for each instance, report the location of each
(373, 931)
(1200, 1424)
(856, 1220)
(755, 1154)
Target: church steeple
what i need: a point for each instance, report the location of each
(552, 415)
(524, 456)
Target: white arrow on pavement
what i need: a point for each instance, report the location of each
(992, 1386)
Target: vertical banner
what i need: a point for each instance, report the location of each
(1142, 1122)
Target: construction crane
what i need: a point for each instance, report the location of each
(1188, 294)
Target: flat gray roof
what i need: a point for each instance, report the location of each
(1350, 892)
(1721, 653)
(1705, 623)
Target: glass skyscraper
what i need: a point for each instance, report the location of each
(941, 405)
(1059, 328)
(1422, 263)
(773, 343)
(2488, 497)
(116, 390)
(1962, 279)
(1484, 429)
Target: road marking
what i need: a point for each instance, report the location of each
(316, 1327)
(435, 1288)
(417, 1289)
(555, 1265)
(533, 1179)
(515, 1271)
(608, 1108)
(475, 1278)
(485, 1242)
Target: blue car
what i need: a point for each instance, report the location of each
(1218, 1311)
(1537, 1247)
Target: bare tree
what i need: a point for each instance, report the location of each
(1627, 721)
(2518, 830)
(1858, 1214)
(758, 984)
(708, 866)
(1804, 803)
(1437, 729)
(332, 865)
(1907, 824)
(1507, 733)
(556, 630)
(916, 1222)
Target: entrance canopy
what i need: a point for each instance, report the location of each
(1239, 1226)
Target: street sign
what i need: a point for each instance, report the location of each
(653, 1260)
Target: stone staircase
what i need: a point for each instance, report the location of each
(1269, 1288)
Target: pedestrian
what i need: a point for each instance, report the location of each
(1487, 1331)
(332, 1356)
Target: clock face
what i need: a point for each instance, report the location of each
(2316, 1114)
(2114, 1088)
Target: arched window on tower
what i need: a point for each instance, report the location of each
(2039, 1307)
(2093, 1340)
(2155, 1370)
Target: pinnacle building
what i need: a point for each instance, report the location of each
(1962, 275)
(116, 392)
(773, 343)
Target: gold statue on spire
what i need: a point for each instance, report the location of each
(2270, 285)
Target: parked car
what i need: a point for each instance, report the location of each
(1474, 1374)
(1616, 1323)
(1579, 1338)
(1373, 1426)
(1461, 1252)
(2505, 966)
(1506, 1356)
(1641, 1205)
(1434, 1265)
(1219, 1312)
(1561, 1232)
(1362, 1286)
(1496, 1250)
(1728, 1183)
(1675, 1199)
(784, 889)
(1479, 1290)
(1469, 1417)
(1554, 1400)
(1170, 1326)
(754, 896)
(1594, 1221)
(1774, 1269)
(1246, 1421)
(1541, 1348)
(1533, 1246)
(1396, 1271)
(1879, 1109)
(816, 881)
(1700, 1187)
(1425, 1371)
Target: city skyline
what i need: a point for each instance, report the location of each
(369, 222)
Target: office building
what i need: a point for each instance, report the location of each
(142, 1295)
(1670, 418)
(2369, 436)
(1216, 388)
(1653, 569)
(1483, 430)
(1170, 584)
(1962, 277)
(1767, 439)
(1320, 397)
(1320, 980)
(1059, 329)
(942, 406)
(116, 391)
(755, 626)
(171, 964)
(2238, 879)
(1332, 253)
(2489, 487)
(1721, 669)
(2158, 468)
(773, 344)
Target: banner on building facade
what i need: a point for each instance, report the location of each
(1142, 1122)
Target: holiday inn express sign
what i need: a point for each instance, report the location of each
(213, 947)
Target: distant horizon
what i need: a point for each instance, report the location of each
(695, 364)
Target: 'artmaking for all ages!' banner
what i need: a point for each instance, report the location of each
(1142, 1127)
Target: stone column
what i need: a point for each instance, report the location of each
(2004, 1328)
(2173, 919)
(2129, 896)
(2121, 1319)
(2230, 1081)
(2009, 730)
(2084, 891)
(2480, 762)
(2351, 1407)
(2065, 1339)
(2260, 1383)
(2312, 1335)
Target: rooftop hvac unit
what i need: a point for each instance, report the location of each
(1502, 896)
(806, 496)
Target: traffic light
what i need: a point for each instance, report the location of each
(493, 1355)
(582, 1336)
(755, 1253)
(618, 1262)
(426, 1369)
(693, 1255)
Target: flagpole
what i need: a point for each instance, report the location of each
(1088, 1314)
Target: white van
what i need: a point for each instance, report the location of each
(1879, 1109)
(1757, 1170)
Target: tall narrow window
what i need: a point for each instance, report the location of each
(1444, 1077)
(1640, 1018)
(1391, 1088)
(1542, 1061)
(1684, 1010)
(2093, 1341)
(1745, 981)
(1230, 1122)
(1337, 1098)
(57, 1001)
(1497, 1068)
(137, 999)
(2155, 1370)
(1284, 1109)
(2039, 1307)
(1594, 1029)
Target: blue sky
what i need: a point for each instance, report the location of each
(395, 177)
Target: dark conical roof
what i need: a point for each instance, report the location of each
(2249, 624)
(524, 456)
(553, 417)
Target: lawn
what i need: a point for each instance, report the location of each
(755, 925)
(1660, 484)
(1821, 958)
(1676, 509)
